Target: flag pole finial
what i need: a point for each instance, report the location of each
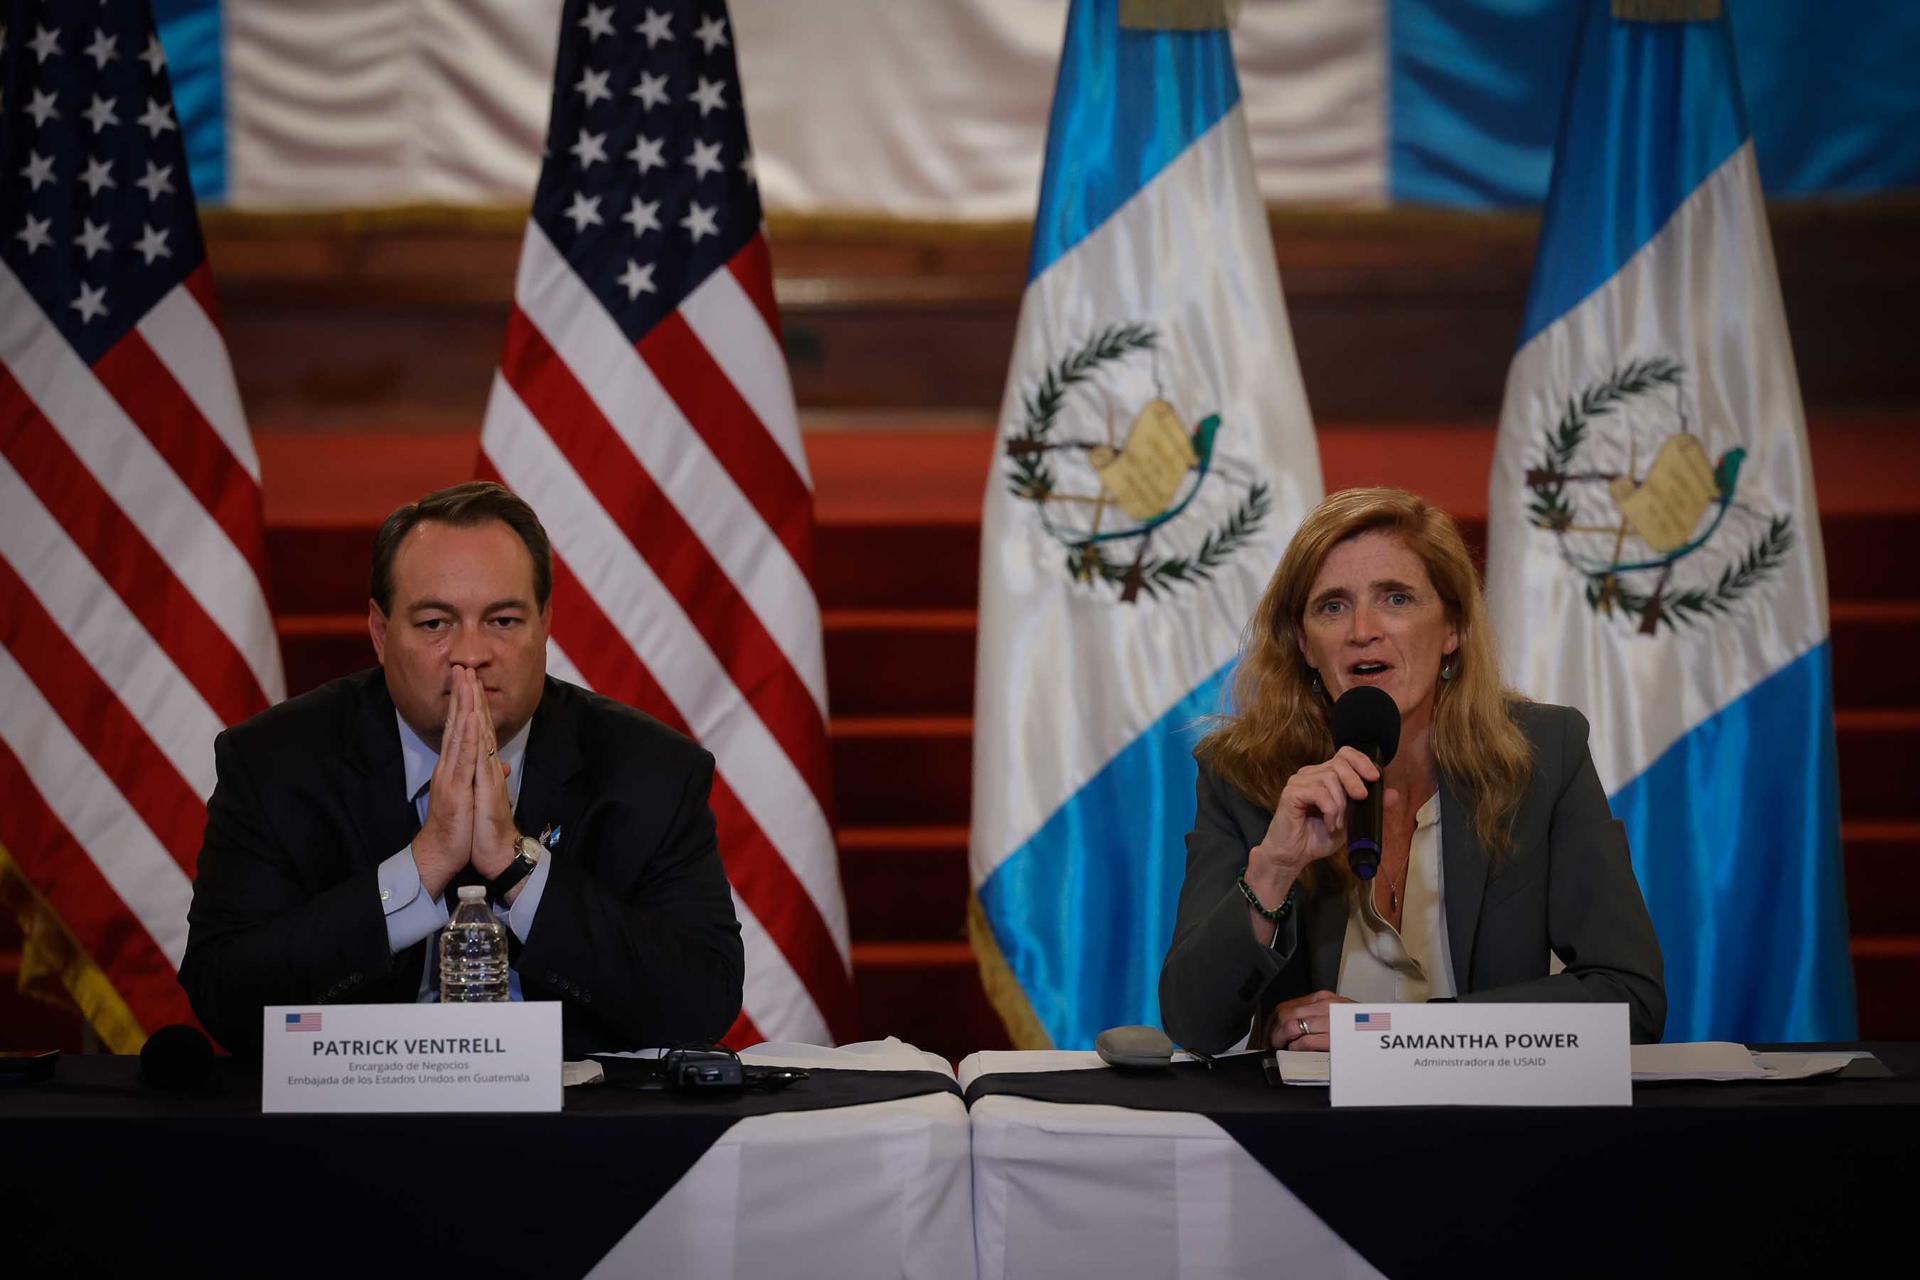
(1667, 10)
(1178, 15)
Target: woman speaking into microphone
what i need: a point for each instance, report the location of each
(1497, 851)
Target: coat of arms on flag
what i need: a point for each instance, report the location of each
(1140, 499)
(1630, 484)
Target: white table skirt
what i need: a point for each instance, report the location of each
(1098, 1192)
(879, 1190)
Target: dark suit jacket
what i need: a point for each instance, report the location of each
(636, 935)
(1567, 886)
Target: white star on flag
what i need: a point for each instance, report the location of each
(709, 95)
(153, 55)
(593, 86)
(102, 49)
(100, 114)
(92, 238)
(99, 174)
(643, 217)
(648, 153)
(598, 22)
(158, 182)
(153, 244)
(637, 279)
(711, 33)
(584, 211)
(652, 90)
(35, 233)
(591, 148)
(39, 169)
(705, 158)
(42, 108)
(45, 44)
(158, 117)
(747, 167)
(701, 221)
(656, 26)
(91, 302)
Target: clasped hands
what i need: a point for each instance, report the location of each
(469, 818)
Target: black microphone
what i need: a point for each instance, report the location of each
(178, 1058)
(1366, 719)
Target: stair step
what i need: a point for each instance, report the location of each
(1877, 752)
(902, 770)
(1883, 877)
(1873, 646)
(865, 564)
(928, 994)
(913, 661)
(1886, 973)
(905, 882)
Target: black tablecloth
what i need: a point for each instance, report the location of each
(99, 1175)
(1812, 1177)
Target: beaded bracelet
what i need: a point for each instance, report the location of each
(1278, 913)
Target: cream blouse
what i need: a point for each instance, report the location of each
(1383, 965)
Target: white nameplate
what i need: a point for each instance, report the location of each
(1481, 1055)
(412, 1057)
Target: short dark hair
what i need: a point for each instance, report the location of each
(463, 506)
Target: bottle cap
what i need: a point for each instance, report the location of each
(473, 893)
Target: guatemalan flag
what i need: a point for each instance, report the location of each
(1155, 454)
(1654, 546)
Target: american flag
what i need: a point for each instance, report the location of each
(1373, 1022)
(303, 1022)
(132, 607)
(643, 407)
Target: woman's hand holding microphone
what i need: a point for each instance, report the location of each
(1309, 824)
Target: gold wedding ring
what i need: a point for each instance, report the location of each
(1302, 1024)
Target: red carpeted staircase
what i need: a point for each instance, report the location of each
(898, 564)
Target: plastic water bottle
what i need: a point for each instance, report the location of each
(473, 951)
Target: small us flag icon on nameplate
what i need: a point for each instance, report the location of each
(303, 1022)
(1361, 1021)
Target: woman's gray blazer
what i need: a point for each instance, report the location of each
(1566, 887)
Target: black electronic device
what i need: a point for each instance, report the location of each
(1367, 719)
(178, 1058)
(702, 1070)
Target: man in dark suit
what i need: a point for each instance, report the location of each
(342, 820)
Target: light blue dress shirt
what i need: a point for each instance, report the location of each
(412, 913)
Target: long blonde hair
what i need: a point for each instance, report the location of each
(1280, 722)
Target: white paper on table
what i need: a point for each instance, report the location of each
(1701, 1060)
(585, 1071)
(1302, 1066)
(1785, 1065)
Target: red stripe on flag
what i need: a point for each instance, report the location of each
(755, 867)
(739, 440)
(94, 713)
(65, 876)
(753, 268)
(123, 556)
(156, 403)
(199, 283)
(742, 1034)
(658, 533)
